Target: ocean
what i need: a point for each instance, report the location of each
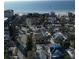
(40, 6)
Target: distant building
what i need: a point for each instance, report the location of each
(6, 30)
(46, 14)
(42, 37)
(5, 22)
(51, 19)
(59, 37)
(53, 14)
(70, 14)
(8, 13)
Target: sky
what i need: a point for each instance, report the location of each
(39, 0)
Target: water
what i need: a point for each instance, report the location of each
(40, 6)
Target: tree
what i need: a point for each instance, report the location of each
(29, 42)
(50, 30)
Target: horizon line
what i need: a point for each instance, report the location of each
(34, 0)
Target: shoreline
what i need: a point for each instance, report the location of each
(41, 12)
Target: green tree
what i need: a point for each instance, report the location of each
(29, 42)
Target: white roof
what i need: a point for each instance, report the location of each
(5, 18)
